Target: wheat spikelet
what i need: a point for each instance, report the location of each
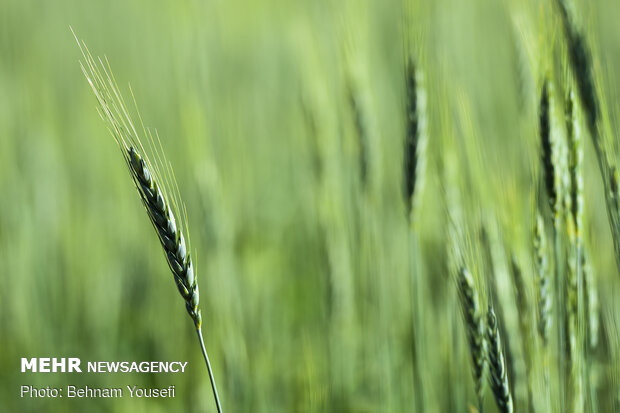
(474, 327)
(592, 302)
(543, 296)
(498, 378)
(549, 172)
(415, 136)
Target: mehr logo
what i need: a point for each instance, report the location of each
(51, 365)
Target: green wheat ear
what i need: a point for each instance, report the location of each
(162, 205)
(498, 377)
(171, 238)
(543, 294)
(474, 327)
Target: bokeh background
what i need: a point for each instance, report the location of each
(303, 262)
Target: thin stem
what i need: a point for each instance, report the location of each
(581, 336)
(206, 357)
(417, 328)
(546, 363)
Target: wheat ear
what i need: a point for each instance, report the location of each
(497, 365)
(415, 136)
(413, 179)
(474, 326)
(161, 205)
(575, 310)
(543, 295)
(581, 62)
(550, 177)
(553, 176)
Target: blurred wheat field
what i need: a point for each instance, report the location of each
(285, 125)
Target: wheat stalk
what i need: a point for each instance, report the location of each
(162, 205)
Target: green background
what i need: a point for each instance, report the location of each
(303, 268)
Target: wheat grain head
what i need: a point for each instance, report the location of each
(474, 327)
(156, 186)
(498, 377)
